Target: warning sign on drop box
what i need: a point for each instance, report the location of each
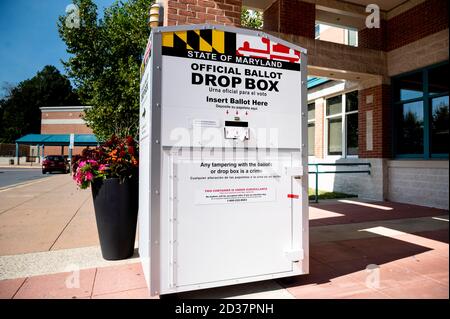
(234, 195)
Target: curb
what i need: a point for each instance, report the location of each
(20, 166)
(29, 182)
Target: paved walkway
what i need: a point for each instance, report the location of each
(49, 249)
(44, 215)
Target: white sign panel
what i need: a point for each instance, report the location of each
(219, 75)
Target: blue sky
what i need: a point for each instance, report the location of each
(29, 37)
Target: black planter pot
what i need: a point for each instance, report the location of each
(116, 209)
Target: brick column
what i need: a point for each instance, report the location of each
(319, 129)
(374, 121)
(182, 12)
(291, 17)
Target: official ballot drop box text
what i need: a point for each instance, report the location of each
(223, 189)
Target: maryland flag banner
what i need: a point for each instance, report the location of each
(214, 41)
(238, 48)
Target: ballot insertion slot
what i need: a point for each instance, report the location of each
(237, 130)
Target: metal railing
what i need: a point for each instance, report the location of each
(317, 172)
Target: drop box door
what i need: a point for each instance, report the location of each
(233, 218)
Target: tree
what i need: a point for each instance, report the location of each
(105, 62)
(19, 109)
(251, 19)
(412, 126)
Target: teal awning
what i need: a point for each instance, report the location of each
(313, 82)
(58, 139)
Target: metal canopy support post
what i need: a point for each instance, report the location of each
(71, 146)
(70, 159)
(17, 153)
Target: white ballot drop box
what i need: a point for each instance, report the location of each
(223, 187)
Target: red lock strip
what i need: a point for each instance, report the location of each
(293, 196)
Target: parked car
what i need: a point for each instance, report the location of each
(55, 163)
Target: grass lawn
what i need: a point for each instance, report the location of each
(328, 195)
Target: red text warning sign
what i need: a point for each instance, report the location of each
(234, 195)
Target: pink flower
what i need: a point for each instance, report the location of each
(103, 167)
(78, 177)
(82, 163)
(89, 176)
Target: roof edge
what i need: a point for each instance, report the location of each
(64, 108)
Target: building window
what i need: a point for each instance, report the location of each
(317, 31)
(352, 36)
(439, 125)
(421, 108)
(410, 129)
(351, 115)
(336, 34)
(342, 124)
(311, 128)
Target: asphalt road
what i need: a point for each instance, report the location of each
(13, 176)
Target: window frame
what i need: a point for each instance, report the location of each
(346, 29)
(427, 109)
(343, 114)
(313, 121)
(348, 34)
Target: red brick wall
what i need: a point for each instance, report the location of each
(291, 17)
(381, 122)
(416, 23)
(374, 38)
(61, 115)
(56, 150)
(271, 17)
(224, 12)
(65, 129)
(424, 19)
(297, 17)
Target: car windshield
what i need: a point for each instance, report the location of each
(55, 158)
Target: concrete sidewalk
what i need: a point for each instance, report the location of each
(46, 214)
(403, 265)
(48, 240)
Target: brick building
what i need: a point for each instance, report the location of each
(63, 120)
(376, 95)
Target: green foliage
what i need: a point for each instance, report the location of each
(251, 19)
(328, 195)
(19, 110)
(106, 56)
